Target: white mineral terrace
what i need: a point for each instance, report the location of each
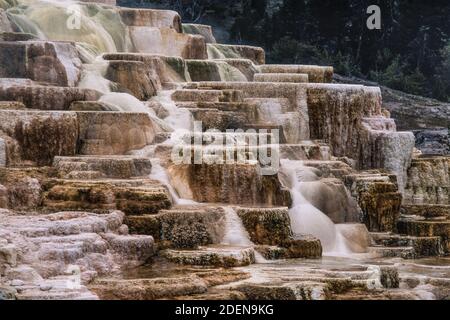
(94, 205)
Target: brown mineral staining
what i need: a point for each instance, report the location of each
(89, 187)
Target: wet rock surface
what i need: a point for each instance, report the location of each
(378, 198)
(227, 257)
(428, 181)
(95, 206)
(182, 227)
(233, 184)
(24, 130)
(45, 97)
(221, 51)
(120, 167)
(39, 253)
(131, 196)
(55, 63)
(134, 77)
(267, 226)
(114, 133)
(200, 29)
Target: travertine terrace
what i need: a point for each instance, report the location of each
(92, 197)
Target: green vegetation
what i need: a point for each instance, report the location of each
(410, 53)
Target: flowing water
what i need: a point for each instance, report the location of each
(93, 75)
(307, 219)
(236, 235)
(235, 232)
(159, 173)
(91, 23)
(178, 118)
(229, 73)
(102, 31)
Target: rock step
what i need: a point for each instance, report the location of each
(46, 97)
(12, 105)
(58, 290)
(316, 74)
(251, 154)
(87, 239)
(329, 168)
(379, 198)
(216, 154)
(279, 93)
(151, 18)
(226, 51)
(218, 256)
(222, 120)
(138, 196)
(84, 175)
(267, 127)
(282, 77)
(305, 151)
(24, 131)
(291, 291)
(148, 289)
(206, 95)
(72, 225)
(423, 246)
(170, 70)
(184, 227)
(232, 183)
(243, 138)
(217, 70)
(317, 285)
(44, 246)
(16, 36)
(245, 66)
(281, 281)
(69, 249)
(114, 133)
(94, 106)
(270, 230)
(47, 62)
(380, 123)
(93, 146)
(294, 249)
(200, 29)
(428, 181)
(426, 228)
(120, 167)
(427, 210)
(134, 77)
(192, 95)
(395, 252)
(68, 253)
(223, 106)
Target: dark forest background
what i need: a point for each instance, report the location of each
(410, 53)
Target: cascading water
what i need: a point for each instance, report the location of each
(68, 20)
(101, 31)
(178, 118)
(93, 76)
(307, 219)
(236, 235)
(160, 174)
(229, 73)
(273, 111)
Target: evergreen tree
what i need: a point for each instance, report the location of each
(411, 51)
